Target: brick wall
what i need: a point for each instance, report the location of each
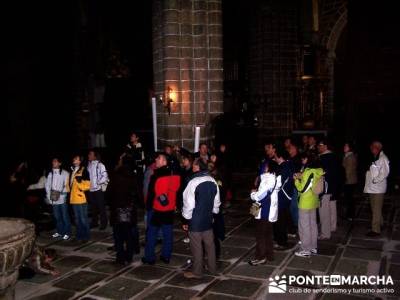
(187, 58)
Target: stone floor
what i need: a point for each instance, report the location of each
(88, 271)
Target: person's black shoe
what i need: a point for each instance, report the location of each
(159, 241)
(93, 225)
(103, 227)
(147, 262)
(373, 234)
(164, 259)
(111, 248)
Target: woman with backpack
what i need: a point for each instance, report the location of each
(307, 184)
(265, 211)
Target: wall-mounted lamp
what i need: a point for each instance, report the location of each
(170, 95)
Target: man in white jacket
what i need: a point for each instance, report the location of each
(57, 188)
(98, 183)
(376, 185)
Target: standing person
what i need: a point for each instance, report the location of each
(203, 152)
(267, 196)
(98, 184)
(376, 185)
(296, 165)
(349, 164)
(285, 196)
(124, 195)
(80, 185)
(308, 204)
(135, 153)
(304, 141)
(160, 207)
(327, 210)
(200, 201)
(57, 188)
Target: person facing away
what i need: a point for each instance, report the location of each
(308, 204)
(267, 197)
(57, 189)
(328, 210)
(124, 195)
(80, 185)
(349, 163)
(201, 199)
(98, 184)
(376, 185)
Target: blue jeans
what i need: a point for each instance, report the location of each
(151, 239)
(81, 221)
(63, 224)
(294, 208)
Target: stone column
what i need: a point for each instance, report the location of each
(187, 65)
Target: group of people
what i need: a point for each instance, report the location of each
(170, 184)
(294, 194)
(297, 186)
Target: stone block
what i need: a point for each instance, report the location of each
(200, 41)
(317, 263)
(80, 281)
(216, 64)
(236, 287)
(57, 294)
(186, 28)
(171, 63)
(120, 288)
(216, 107)
(170, 16)
(171, 293)
(262, 271)
(186, 53)
(199, 17)
(198, 29)
(215, 41)
(214, 17)
(171, 28)
(215, 96)
(201, 52)
(171, 74)
(215, 75)
(171, 52)
(357, 253)
(171, 40)
(186, 41)
(180, 281)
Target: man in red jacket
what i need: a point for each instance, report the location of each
(160, 206)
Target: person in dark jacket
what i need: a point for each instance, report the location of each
(327, 210)
(160, 206)
(200, 201)
(124, 195)
(285, 195)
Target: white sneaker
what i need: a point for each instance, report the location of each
(314, 251)
(186, 240)
(56, 235)
(302, 253)
(66, 237)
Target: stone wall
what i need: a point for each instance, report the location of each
(273, 65)
(187, 61)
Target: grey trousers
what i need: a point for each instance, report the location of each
(376, 201)
(327, 216)
(308, 229)
(196, 247)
